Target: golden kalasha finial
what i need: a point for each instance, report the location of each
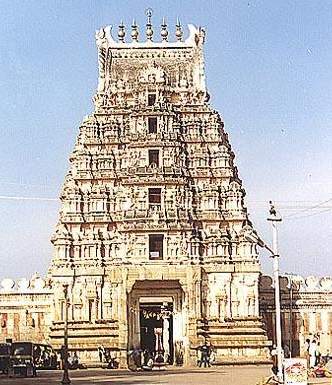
(122, 32)
(164, 32)
(149, 30)
(134, 31)
(178, 30)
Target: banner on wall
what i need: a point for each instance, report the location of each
(295, 371)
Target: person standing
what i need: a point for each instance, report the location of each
(286, 351)
(312, 354)
(306, 351)
(274, 356)
(205, 355)
(100, 353)
(318, 354)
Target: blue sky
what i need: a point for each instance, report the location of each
(269, 73)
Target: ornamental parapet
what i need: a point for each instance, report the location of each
(34, 285)
(208, 172)
(147, 172)
(306, 285)
(235, 214)
(145, 140)
(72, 217)
(151, 180)
(142, 226)
(151, 170)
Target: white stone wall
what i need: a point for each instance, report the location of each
(26, 309)
(310, 310)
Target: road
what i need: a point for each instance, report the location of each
(228, 375)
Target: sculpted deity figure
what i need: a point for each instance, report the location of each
(101, 41)
(141, 127)
(222, 305)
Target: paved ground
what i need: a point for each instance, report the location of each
(230, 375)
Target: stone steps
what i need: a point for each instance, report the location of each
(86, 335)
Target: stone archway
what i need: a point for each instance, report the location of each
(157, 295)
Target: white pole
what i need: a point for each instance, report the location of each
(65, 378)
(277, 297)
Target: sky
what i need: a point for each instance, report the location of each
(269, 74)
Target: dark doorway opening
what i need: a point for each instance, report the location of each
(157, 316)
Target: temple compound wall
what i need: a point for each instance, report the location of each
(26, 309)
(153, 232)
(306, 311)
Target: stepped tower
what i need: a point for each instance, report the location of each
(151, 237)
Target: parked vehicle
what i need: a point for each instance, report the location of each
(4, 357)
(22, 360)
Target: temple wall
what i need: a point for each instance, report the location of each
(26, 310)
(306, 311)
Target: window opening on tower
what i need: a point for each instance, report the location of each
(152, 125)
(154, 157)
(152, 99)
(156, 246)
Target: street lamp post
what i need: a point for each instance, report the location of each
(65, 378)
(274, 219)
(253, 237)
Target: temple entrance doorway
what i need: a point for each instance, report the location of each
(157, 320)
(156, 331)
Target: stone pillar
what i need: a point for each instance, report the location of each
(324, 340)
(312, 323)
(122, 317)
(185, 324)
(166, 337)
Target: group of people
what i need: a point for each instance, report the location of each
(313, 353)
(319, 365)
(44, 357)
(74, 361)
(108, 356)
(139, 359)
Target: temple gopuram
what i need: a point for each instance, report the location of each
(152, 233)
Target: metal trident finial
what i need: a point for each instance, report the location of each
(149, 30)
(148, 13)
